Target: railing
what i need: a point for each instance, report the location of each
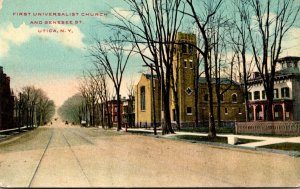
(268, 127)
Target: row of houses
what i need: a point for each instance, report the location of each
(6, 102)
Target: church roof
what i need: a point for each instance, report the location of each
(223, 81)
(148, 76)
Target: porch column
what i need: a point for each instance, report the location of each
(283, 111)
(254, 112)
(263, 112)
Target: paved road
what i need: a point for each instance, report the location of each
(70, 156)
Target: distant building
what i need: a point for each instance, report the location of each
(6, 102)
(128, 115)
(232, 107)
(127, 112)
(286, 105)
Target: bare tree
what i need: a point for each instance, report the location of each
(240, 39)
(111, 56)
(99, 80)
(201, 22)
(273, 19)
(33, 107)
(88, 90)
(72, 108)
(159, 21)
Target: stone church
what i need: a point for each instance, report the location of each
(232, 103)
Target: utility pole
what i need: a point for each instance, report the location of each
(153, 100)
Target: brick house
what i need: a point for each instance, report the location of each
(6, 102)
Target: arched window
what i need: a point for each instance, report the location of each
(234, 98)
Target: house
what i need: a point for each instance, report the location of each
(128, 115)
(6, 102)
(286, 104)
(127, 112)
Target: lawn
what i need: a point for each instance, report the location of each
(198, 138)
(202, 138)
(209, 139)
(205, 129)
(142, 132)
(284, 146)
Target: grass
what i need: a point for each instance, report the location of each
(141, 132)
(199, 138)
(205, 130)
(245, 141)
(202, 138)
(217, 139)
(287, 146)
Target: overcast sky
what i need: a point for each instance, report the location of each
(32, 55)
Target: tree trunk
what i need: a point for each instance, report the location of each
(167, 126)
(119, 127)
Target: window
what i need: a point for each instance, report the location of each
(256, 95)
(189, 111)
(191, 64)
(116, 118)
(250, 95)
(285, 92)
(184, 48)
(143, 98)
(263, 95)
(189, 91)
(206, 97)
(221, 97)
(240, 111)
(226, 111)
(190, 49)
(185, 63)
(234, 98)
(275, 93)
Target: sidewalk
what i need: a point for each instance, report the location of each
(262, 140)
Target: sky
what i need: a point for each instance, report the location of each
(32, 54)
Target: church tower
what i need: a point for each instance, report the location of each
(184, 69)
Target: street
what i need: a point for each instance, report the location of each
(71, 156)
